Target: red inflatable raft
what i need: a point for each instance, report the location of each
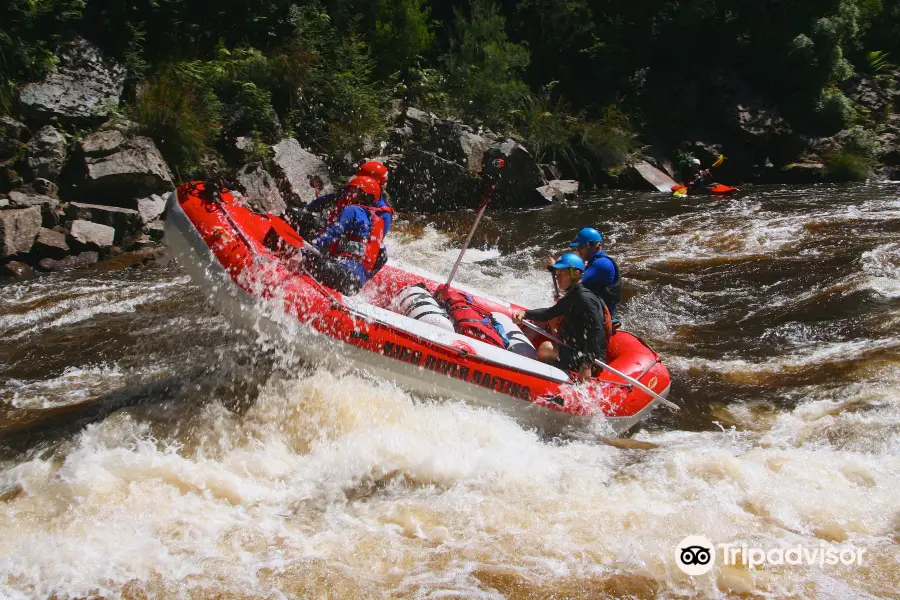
(248, 263)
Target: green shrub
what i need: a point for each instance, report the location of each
(862, 142)
(484, 67)
(179, 115)
(834, 111)
(847, 166)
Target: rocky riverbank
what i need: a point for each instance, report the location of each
(79, 183)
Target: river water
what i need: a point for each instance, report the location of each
(150, 451)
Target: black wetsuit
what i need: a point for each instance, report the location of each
(582, 328)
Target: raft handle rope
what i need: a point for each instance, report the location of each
(600, 363)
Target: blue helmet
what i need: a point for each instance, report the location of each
(586, 236)
(569, 261)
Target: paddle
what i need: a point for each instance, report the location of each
(490, 176)
(600, 363)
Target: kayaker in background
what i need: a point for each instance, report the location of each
(586, 324)
(602, 275)
(699, 175)
(352, 246)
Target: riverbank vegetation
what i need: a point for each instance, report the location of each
(584, 83)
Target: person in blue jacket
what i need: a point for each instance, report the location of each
(313, 218)
(351, 247)
(602, 275)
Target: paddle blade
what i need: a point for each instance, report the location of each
(719, 161)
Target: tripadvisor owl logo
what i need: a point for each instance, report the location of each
(695, 555)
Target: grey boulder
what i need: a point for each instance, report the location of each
(50, 244)
(48, 205)
(47, 152)
(425, 181)
(521, 175)
(300, 169)
(260, 189)
(152, 208)
(119, 169)
(18, 230)
(559, 190)
(124, 221)
(85, 87)
(12, 135)
(91, 236)
(79, 261)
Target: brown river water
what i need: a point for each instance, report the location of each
(148, 450)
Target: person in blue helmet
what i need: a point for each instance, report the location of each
(586, 324)
(602, 275)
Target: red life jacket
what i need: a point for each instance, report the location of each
(469, 321)
(365, 250)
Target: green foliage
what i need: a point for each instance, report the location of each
(339, 106)
(580, 146)
(181, 115)
(862, 142)
(834, 111)
(878, 63)
(847, 167)
(402, 34)
(484, 66)
(427, 88)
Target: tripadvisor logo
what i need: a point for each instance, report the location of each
(696, 555)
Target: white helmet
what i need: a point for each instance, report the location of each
(695, 162)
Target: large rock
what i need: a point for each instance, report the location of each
(457, 142)
(120, 169)
(17, 270)
(12, 135)
(521, 175)
(18, 230)
(103, 142)
(48, 205)
(85, 87)
(559, 190)
(298, 168)
(424, 181)
(80, 261)
(45, 187)
(802, 172)
(47, 152)
(50, 244)
(260, 189)
(152, 208)
(85, 235)
(124, 221)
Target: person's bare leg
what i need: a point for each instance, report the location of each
(547, 352)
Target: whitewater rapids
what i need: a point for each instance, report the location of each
(150, 451)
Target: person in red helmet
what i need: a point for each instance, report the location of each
(352, 245)
(379, 173)
(313, 218)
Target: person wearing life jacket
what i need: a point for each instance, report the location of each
(699, 175)
(379, 173)
(602, 275)
(313, 218)
(586, 323)
(352, 246)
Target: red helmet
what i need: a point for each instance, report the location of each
(367, 185)
(375, 170)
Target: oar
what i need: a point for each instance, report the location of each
(489, 190)
(600, 363)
